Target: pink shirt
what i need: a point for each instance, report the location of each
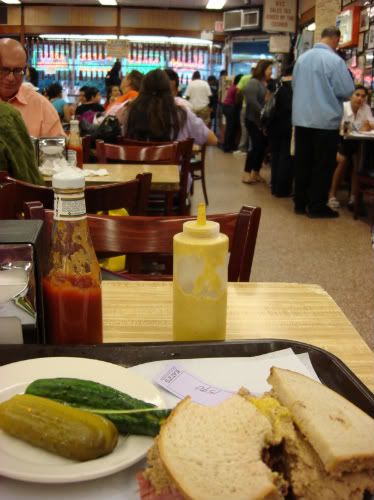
(40, 117)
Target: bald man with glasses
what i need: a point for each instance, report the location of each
(39, 115)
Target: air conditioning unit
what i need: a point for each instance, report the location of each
(236, 20)
(250, 19)
(232, 20)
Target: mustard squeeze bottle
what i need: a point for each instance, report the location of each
(200, 261)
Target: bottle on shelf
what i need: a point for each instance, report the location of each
(200, 260)
(72, 284)
(75, 143)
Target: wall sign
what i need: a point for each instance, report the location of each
(279, 16)
(279, 44)
(117, 48)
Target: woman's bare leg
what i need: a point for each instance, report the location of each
(338, 174)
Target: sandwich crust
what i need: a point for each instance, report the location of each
(341, 434)
(215, 452)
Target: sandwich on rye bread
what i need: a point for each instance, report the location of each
(301, 441)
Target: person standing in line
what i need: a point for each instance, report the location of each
(321, 82)
(231, 110)
(279, 132)
(213, 101)
(255, 96)
(221, 96)
(198, 92)
(244, 141)
(114, 75)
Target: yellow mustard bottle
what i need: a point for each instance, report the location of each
(200, 261)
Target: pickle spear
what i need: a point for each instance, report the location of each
(60, 429)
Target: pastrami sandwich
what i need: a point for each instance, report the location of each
(301, 440)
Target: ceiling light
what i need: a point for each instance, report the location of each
(11, 1)
(166, 40)
(215, 4)
(80, 37)
(108, 2)
(311, 27)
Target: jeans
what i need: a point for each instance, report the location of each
(256, 155)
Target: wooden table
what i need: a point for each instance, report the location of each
(164, 177)
(142, 311)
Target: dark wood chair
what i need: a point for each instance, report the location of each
(152, 239)
(137, 153)
(365, 182)
(132, 195)
(86, 147)
(178, 153)
(197, 167)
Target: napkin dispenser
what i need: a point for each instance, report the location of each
(21, 298)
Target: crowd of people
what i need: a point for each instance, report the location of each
(292, 121)
(311, 103)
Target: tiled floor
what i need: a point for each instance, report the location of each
(336, 254)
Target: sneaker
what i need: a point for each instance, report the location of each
(246, 178)
(257, 177)
(333, 202)
(324, 213)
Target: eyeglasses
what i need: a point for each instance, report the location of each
(17, 72)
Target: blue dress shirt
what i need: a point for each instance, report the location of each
(321, 82)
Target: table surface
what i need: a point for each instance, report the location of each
(164, 177)
(142, 312)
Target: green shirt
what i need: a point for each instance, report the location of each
(243, 82)
(17, 154)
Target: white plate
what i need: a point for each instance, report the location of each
(19, 460)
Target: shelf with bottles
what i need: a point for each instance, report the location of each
(76, 62)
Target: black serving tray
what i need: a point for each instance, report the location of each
(331, 371)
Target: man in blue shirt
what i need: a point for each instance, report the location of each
(321, 83)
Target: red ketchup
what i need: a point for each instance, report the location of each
(73, 310)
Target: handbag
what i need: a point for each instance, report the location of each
(108, 130)
(268, 112)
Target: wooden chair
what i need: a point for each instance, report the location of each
(139, 153)
(152, 238)
(86, 147)
(178, 153)
(197, 167)
(132, 195)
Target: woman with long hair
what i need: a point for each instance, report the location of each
(155, 116)
(113, 93)
(114, 75)
(255, 96)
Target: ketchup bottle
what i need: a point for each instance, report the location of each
(75, 143)
(72, 285)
